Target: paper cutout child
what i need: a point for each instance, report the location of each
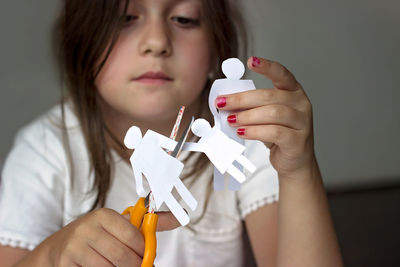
(233, 69)
(221, 150)
(160, 169)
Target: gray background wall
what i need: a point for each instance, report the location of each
(28, 81)
(345, 53)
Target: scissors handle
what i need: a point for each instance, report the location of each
(139, 216)
(149, 233)
(136, 212)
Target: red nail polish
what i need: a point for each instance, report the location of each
(232, 118)
(255, 62)
(240, 131)
(221, 102)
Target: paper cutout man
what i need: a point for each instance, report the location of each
(233, 69)
(221, 150)
(160, 169)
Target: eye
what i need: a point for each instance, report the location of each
(129, 19)
(186, 22)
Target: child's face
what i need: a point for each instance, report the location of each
(159, 63)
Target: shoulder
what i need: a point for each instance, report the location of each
(52, 123)
(40, 144)
(35, 174)
(45, 133)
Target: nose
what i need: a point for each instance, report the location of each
(155, 39)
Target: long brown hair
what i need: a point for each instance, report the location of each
(87, 30)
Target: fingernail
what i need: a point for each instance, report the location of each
(232, 118)
(240, 131)
(221, 102)
(255, 62)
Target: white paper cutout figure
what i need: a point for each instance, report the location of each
(221, 150)
(233, 69)
(160, 169)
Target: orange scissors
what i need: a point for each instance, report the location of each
(142, 214)
(139, 215)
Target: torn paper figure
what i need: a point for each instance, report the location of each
(221, 150)
(160, 169)
(233, 69)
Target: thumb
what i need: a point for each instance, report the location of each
(166, 221)
(280, 76)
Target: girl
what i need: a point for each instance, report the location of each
(135, 63)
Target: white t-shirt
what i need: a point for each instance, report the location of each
(37, 196)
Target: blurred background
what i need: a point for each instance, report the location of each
(345, 54)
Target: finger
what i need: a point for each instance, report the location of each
(114, 250)
(281, 136)
(166, 221)
(267, 115)
(127, 216)
(280, 76)
(121, 229)
(257, 98)
(90, 257)
(269, 144)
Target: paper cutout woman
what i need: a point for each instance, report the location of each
(160, 169)
(233, 69)
(221, 150)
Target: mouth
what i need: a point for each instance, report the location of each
(153, 78)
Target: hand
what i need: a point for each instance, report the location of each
(281, 117)
(102, 238)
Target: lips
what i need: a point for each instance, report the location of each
(153, 77)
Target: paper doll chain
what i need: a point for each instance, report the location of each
(173, 135)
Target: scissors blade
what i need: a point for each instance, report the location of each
(182, 140)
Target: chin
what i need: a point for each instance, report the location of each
(155, 113)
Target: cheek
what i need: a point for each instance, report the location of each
(114, 69)
(195, 61)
